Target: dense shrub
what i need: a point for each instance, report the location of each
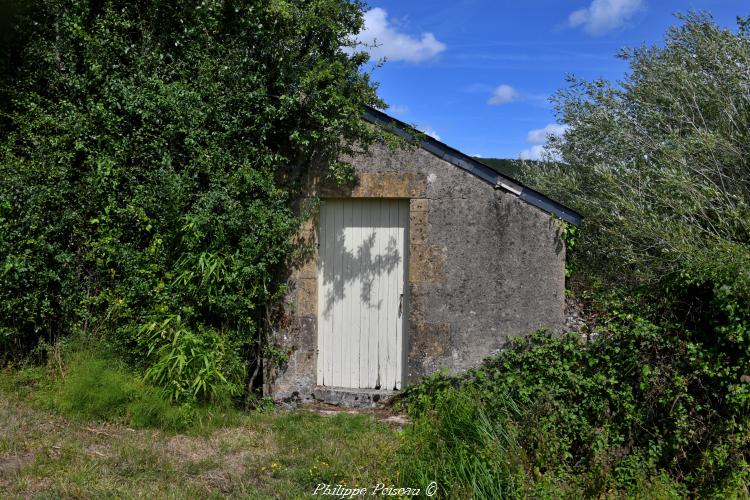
(192, 365)
(632, 409)
(140, 150)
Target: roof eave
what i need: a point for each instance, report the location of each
(475, 167)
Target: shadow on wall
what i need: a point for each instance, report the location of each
(354, 251)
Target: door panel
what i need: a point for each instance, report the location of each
(361, 278)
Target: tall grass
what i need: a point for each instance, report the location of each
(91, 384)
(100, 388)
(464, 450)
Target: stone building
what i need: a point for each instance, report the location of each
(431, 260)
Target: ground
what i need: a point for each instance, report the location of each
(277, 454)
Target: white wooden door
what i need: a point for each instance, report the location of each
(361, 309)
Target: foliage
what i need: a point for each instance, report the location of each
(505, 166)
(627, 411)
(659, 163)
(570, 235)
(141, 154)
(201, 365)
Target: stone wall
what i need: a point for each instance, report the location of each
(483, 266)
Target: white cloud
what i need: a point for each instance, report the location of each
(603, 16)
(533, 153)
(398, 109)
(382, 40)
(503, 94)
(540, 135)
(427, 129)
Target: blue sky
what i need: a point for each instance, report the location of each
(477, 74)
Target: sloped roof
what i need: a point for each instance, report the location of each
(475, 167)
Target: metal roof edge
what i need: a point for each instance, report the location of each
(475, 167)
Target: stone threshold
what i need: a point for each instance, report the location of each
(351, 397)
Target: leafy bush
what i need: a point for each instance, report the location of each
(633, 405)
(191, 365)
(142, 155)
(659, 166)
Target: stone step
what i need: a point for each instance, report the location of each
(352, 398)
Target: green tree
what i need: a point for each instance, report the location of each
(659, 164)
(141, 150)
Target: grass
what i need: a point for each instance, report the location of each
(464, 450)
(89, 427)
(58, 441)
